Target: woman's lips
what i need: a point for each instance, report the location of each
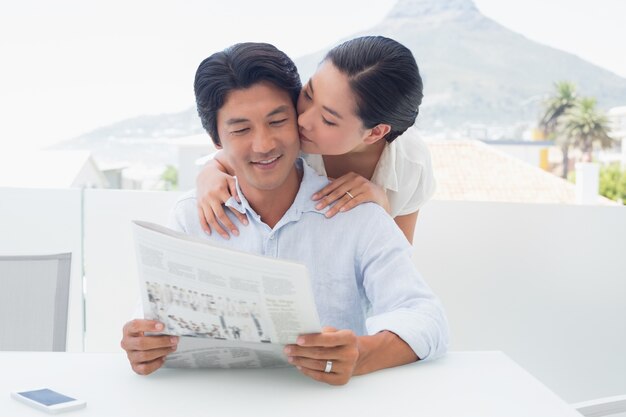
(304, 138)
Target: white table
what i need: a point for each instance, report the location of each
(462, 384)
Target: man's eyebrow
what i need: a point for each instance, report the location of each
(280, 109)
(328, 109)
(236, 120)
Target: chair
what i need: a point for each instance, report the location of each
(602, 407)
(34, 293)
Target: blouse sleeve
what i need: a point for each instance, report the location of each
(415, 162)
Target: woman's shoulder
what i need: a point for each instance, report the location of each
(413, 173)
(410, 148)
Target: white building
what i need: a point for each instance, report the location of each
(50, 169)
(617, 120)
(190, 150)
(533, 152)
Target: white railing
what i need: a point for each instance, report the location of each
(110, 262)
(546, 284)
(34, 222)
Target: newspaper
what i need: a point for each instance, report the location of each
(232, 309)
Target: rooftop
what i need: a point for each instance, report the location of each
(468, 170)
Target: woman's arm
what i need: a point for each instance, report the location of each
(215, 185)
(406, 223)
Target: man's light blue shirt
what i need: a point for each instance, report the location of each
(359, 262)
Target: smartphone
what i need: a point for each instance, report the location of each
(48, 400)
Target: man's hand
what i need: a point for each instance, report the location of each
(146, 354)
(312, 351)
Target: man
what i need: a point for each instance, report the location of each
(378, 311)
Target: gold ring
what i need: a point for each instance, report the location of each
(349, 195)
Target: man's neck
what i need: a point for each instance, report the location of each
(272, 205)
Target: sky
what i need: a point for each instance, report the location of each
(70, 66)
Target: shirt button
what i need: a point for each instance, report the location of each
(271, 237)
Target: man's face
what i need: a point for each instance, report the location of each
(258, 131)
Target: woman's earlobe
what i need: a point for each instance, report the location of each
(377, 133)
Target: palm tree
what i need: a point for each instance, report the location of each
(556, 108)
(585, 127)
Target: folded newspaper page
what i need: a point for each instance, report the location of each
(232, 309)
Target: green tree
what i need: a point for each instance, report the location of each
(555, 111)
(586, 127)
(170, 177)
(613, 182)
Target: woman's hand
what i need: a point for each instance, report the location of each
(349, 191)
(214, 188)
(313, 351)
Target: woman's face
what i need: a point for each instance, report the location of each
(327, 118)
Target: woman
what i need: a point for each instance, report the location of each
(352, 115)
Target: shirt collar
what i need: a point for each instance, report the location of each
(303, 203)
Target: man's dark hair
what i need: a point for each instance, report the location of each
(385, 80)
(239, 67)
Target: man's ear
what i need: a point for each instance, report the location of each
(377, 133)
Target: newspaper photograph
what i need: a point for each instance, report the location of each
(231, 308)
(194, 352)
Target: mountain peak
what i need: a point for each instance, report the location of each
(430, 8)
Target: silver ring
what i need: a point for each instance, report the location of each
(329, 367)
(349, 195)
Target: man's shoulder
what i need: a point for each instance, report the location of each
(367, 216)
(186, 199)
(367, 225)
(184, 214)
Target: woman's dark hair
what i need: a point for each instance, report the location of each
(238, 67)
(385, 80)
